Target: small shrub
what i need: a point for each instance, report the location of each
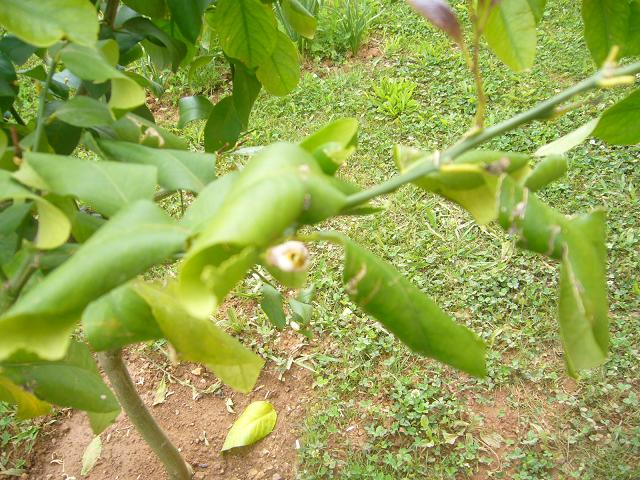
(395, 97)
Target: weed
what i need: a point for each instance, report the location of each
(356, 17)
(17, 438)
(395, 97)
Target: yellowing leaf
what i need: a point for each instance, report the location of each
(471, 181)
(160, 394)
(91, 455)
(255, 423)
(29, 405)
(199, 340)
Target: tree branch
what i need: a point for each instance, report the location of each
(154, 436)
(543, 110)
(111, 12)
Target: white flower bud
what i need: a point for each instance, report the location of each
(289, 256)
(294, 325)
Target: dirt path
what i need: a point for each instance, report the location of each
(197, 427)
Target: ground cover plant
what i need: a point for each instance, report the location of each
(287, 264)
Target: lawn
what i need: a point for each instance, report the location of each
(377, 411)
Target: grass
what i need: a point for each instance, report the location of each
(383, 413)
(17, 438)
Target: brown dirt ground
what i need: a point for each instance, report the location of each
(197, 427)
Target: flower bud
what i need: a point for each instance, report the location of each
(290, 256)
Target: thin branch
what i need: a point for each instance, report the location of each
(263, 278)
(162, 194)
(111, 12)
(543, 110)
(15, 139)
(16, 116)
(473, 62)
(37, 144)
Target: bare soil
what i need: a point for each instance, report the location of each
(198, 427)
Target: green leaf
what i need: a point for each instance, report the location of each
(29, 406)
(620, 124)
(569, 141)
(188, 16)
(100, 421)
(280, 73)
(105, 186)
(84, 112)
(583, 302)
(4, 143)
(381, 291)
(12, 222)
(206, 205)
(299, 18)
(537, 8)
(151, 8)
(89, 63)
(511, 33)
(536, 226)
(118, 319)
(280, 186)
(196, 64)
(256, 422)
(17, 50)
(271, 305)
(62, 137)
(199, 340)
(333, 144)
(53, 225)
(8, 82)
(84, 225)
(247, 30)
(548, 170)
(154, 87)
(301, 312)
(193, 108)
(472, 180)
(146, 28)
(633, 36)
(44, 23)
(42, 320)
(177, 169)
(135, 129)
(606, 24)
(580, 244)
(223, 126)
(246, 88)
(73, 381)
(91, 455)
(126, 93)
